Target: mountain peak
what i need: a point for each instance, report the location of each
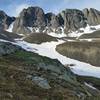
(92, 15)
(34, 19)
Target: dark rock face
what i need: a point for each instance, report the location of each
(73, 19)
(7, 48)
(31, 17)
(52, 20)
(92, 15)
(5, 21)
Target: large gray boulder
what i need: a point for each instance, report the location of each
(42, 82)
(92, 15)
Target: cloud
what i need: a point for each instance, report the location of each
(19, 8)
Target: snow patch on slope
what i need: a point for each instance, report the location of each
(34, 29)
(87, 30)
(90, 86)
(30, 28)
(89, 40)
(10, 27)
(59, 35)
(2, 40)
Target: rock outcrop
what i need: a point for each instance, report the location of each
(73, 19)
(7, 48)
(92, 15)
(5, 20)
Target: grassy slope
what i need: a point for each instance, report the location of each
(14, 69)
(14, 85)
(8, 36)
(83, 51)
(39, 38)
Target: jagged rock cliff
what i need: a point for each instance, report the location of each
(73, 19)
(92, 15)
(34, 19)
(31, 17)
(5, 20)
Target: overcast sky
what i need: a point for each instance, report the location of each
(13, 7)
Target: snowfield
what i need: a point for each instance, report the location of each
(48, 49)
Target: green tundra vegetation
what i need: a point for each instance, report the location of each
(39, 38)
(16, 84)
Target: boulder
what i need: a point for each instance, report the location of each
(42, 82)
